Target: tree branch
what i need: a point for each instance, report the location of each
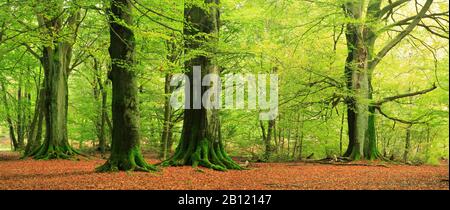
(152, 19)
(409, 122)
(393, 98)
(31, 51)
(400, 36)
(407, 20)
(390, 7)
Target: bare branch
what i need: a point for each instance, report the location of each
(390, 7)
(408, 122)
(400, 36)
(393, 98)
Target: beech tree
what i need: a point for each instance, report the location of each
(201, 143)
(55, 19)
(125, 146)
(362, 32)
(370, 68)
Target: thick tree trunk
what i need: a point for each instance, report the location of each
(360, 112)
(201, 142)
(56, 61)
(56, 143)
(125, 148)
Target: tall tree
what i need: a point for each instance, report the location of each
(361, 34)
(201, 142)
(55, 19)
(125, 148)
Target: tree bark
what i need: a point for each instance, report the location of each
(56, 60)
(125, 148)
(201, 143)
(360, 114)
(360, 64)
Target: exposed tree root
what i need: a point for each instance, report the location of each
(134, 161)
(374, 154)
(206, 154)
(48, 152)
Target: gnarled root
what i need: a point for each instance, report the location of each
(47, 152)
(134, 161)
(206, 154)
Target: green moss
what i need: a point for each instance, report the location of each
(206, 154)
(131, 161)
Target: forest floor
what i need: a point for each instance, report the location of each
(69, 174)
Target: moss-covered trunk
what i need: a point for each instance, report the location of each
(56, 143)
(125, 148)
(201, 143)
(360, 112)
(56, 57)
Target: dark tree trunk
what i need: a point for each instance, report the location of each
(201, 142)
(267, 143)
(125, 148)
(263, 130)
(20, 117)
